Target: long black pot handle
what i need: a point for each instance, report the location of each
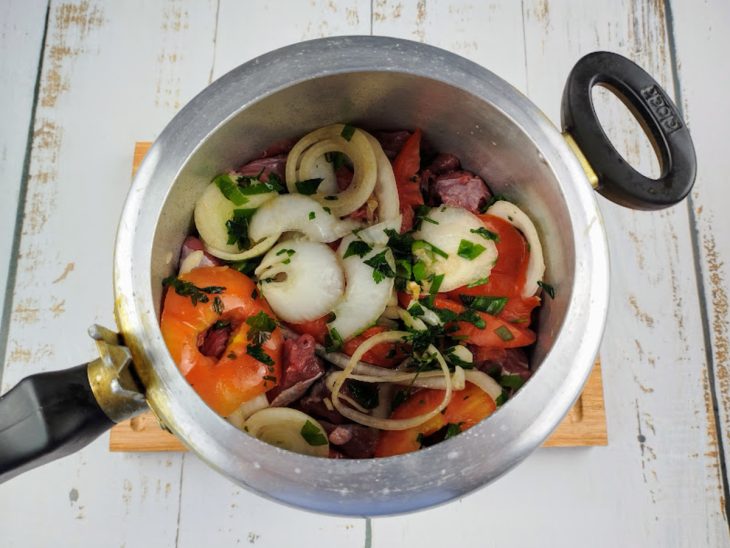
(50, 415)
(617, 180)
(45, 417)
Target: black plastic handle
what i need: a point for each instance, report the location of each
(46, 417)
(618, 181)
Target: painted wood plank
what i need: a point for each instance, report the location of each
(227, 514)
(701, 46)
(22, 24)
(111, 71)
(658, 483)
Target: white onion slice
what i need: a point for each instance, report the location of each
(239, 416)
(485, 382)
(213, 210)
(282, 426)
(286, 274)
(300, 162)
(292, 212)
(190, 262)
(428, 379)
(364, 299)
(317, 167)
(536, 263)
(386, 191)
(389, 424)
(455, 225)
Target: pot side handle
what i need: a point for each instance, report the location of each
(645, 98)
(45, 417)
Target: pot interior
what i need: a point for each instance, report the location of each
(486, 140)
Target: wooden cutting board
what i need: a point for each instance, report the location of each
(585, 424)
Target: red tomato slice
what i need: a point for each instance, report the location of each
(507, 277)
(496, 333)
(316, 328)
(405, 168)
(519, 310)
(467, 408)
(237, 376)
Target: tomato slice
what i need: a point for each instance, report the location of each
(225, 383)
(384, 354)
(405, 168)
(519, 310)
(496, 332)
(466, 408)
(316, 328)
(507, 277)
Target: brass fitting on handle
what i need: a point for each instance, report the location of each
(115, 387)
(592, 177)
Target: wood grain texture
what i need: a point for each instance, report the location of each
(117, 71)
(22, 24)
(701, 45)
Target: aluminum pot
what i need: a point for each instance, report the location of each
(375, 83)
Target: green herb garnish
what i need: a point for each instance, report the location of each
(237, 227)
(501, 399)
(452, 429)
(381, 268)
(490, 305)
(504, 333)
(423, 245)
(230, 189)
(469, 250)
(337, 159)
(312, 435)
(309, 186)
(486, 234)
(312, 215)
(480, 281)
(218, 305)
(419, 271)
(261, 325)
(357, 247)
(188, 289)
(256, 352)
(364, 393)
(333, 340)
(347, 132)
(511, 381)
(473, 317)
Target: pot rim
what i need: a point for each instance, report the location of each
(358, 487)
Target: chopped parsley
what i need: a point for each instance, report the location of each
(381, 268)
(423, 245)
(469, 250)
(261, 325)
(419, 271)
(256, 352)
(416, 310)
(237, 227)
(230, 189)
(328, 210)
(364, 393)
(347, 132)
(218, 305)
(289, 253)
(511, 381)
(333, 340)
(254, 185)
(501, 399)
(337, 159)
(313, 435)
(452, 429)
(504, 333)
(312, 215)
(421, 214)
(549, 289)
(473, 317)
(490, 305)
(309, 186)
(188, 289)
(480, 281)
(486, 234)
(357, 247)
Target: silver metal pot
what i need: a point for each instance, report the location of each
(375, 83)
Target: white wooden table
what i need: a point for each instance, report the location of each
(81, 81)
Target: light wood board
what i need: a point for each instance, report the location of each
(584, 425)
